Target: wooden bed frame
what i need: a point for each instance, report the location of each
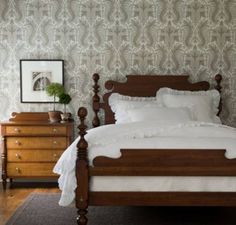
(148, 162)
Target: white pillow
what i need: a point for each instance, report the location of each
(121, 103)
(202, 104)
(160, 114)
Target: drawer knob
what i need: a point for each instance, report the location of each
(17, 130)
(54, 129)
(55, 155)
(18, 156)
(54, 142)
(18, 170)
(17, 142)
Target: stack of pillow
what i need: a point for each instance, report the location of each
(168, 105)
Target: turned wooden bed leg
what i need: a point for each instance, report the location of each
(82, 171)
(82, 219)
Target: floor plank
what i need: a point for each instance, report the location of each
(15, 195)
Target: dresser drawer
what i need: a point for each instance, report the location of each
(35, 130)
(34, 155)
(36, 143)
(30, 169)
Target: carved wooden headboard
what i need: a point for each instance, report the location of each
(143, 86)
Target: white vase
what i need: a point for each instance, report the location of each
(65, 117)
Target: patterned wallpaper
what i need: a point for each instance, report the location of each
(115, 38)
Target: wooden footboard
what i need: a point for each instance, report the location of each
(165, 162)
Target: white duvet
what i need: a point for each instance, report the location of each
(109, 139)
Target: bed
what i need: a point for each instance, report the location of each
(211, 163)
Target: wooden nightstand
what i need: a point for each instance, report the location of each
(31, 148)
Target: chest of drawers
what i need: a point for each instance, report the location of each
(31, 148)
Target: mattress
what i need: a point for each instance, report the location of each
(162, 184)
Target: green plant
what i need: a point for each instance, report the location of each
(65, 99)
(54, 89)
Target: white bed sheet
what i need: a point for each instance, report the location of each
(108, 140)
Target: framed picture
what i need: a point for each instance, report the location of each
(35, 75)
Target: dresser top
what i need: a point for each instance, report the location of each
(31, 118)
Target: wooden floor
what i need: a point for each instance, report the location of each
(17, 193)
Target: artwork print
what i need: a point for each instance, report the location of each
(40, 80)
(36, 75)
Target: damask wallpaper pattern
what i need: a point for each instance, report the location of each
(115, 38)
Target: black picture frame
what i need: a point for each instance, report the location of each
(35, 75)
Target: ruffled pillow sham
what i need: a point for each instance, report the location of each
(202, 104)
(120, 104)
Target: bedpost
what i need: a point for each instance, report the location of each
(82, 174)
(96, 100)
(218, 87)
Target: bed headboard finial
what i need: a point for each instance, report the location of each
(218, 87)
(96, 100)
(218, 79)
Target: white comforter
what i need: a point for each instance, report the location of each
(109, 139)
